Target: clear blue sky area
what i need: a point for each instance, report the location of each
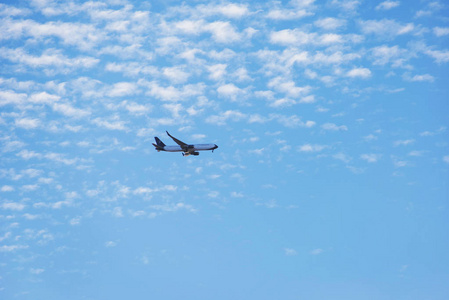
(331, 180)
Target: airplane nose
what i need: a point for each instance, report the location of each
(215, 147)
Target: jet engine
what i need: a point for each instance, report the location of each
(188, 153)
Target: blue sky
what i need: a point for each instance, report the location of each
(331, 176)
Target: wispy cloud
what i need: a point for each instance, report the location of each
(371, 157)
(387, 5)
(290, 252)
(311, 148)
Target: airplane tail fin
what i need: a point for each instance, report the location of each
(159, 142)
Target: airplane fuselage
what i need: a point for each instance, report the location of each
(195, 147)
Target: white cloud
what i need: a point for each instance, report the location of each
(416, 153)
(257, 151)
(52, 60)
(26, 154)
(290, 252)
(387, 5)
(347, 5)
(121, 89)
(75, 221)
(111, 125)
(57, 157)
(32, 173)
(233, 10)
(370, 157)
(419, 78)
(370, 137)
(309, 124)
(30, 187)
(43, 98)
(6, 236)
(398, 163)
(441, 31)
(439, 56)
(84, 36)
(12, 248)
(217, 71)
(136, 109)
(385, 27)
(171, 93)
(359, 73)
(287, 14)
(230, 90)
(330, 23)
(237, 195)
(198, 136)
(311, 148)
(174, 108)
(302, 3)
(288, 87)
(294, 37)
(241, 74)
(256, 118)
(10, 11)
(190, 26)
(10, 146)
(11, 97)
(316, 251)
(283, 102)
(223, 55)
(403, 142)
(172, 207)
(292, 121)
(117, 212)
(70, 111)
(12, 206)
(228, 10)
(221, 119)
(446, 159)
(7, 188)
(334, 127)
(223, 32)
(290, 36)
(27, 123)
(331, 38)
(343, 157)
(36, 271)
(384, 54)
(110, 244)
(176, 74)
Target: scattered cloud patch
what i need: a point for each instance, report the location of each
(330, 23)
(334, 127)
(403, 142)
(290, 252)
(370, 157)
(311, 148)
(13, 206)
(386, 28)
(359, 73)
(387, 5)
(317, 251)
(441, 31)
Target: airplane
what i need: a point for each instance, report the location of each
(186, 149)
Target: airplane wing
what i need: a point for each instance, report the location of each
(182, 144)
